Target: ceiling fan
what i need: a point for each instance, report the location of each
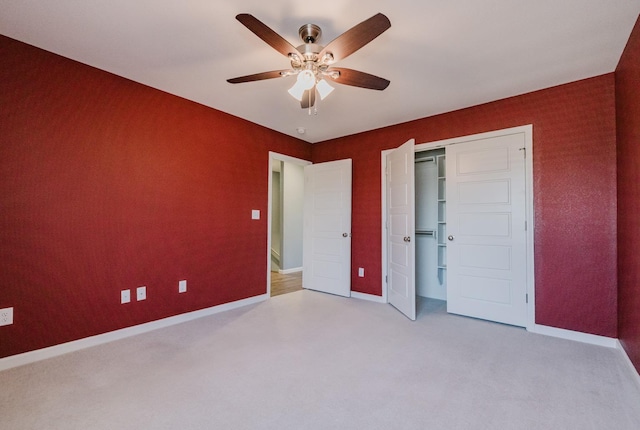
(312, 63)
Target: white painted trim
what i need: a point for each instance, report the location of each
(88, 342)
(287, 159)
(368, 297)
(528, 133)
(289, 271)
(384, 223)
(625, 357)
(576, 336)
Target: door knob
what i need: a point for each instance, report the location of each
(407, 238)
(450, 237)
(345, 234)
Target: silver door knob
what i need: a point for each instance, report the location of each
(407, 238)
(345, 234)
(450, 237)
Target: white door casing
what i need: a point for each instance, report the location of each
(401, 229)
(486, 229)
(327, 227)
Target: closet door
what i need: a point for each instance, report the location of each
(486, 230)
(401, 229)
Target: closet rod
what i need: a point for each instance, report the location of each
(425, 159)
(426, 232)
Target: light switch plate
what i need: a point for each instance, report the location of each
(255, 214)
(182, 286)
(361, 272)
(141, 293)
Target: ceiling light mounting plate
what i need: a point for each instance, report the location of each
(310, 33)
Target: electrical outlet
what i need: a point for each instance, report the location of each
(361, 272)
(141, 293)
(125, 296)
(182, 286)
(6, 316)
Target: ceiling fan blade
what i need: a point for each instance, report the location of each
(258, 76)
(272, 38)
(308, 98)
(355, 38)
(359, 79)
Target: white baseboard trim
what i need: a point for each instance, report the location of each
(290, 271)
(369, 297)
(577, 336)
(627, 360)
(76, 345)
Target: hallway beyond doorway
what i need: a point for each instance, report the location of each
(283, 284)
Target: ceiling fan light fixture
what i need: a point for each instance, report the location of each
(324, 89)
(327, 58)
(305, 81)
(296, 91)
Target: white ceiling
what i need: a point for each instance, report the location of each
(440, 55)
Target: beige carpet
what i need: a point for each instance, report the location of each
(308, 360)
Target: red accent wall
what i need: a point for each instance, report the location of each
(105, 185)
(574, 150)
(628, 122)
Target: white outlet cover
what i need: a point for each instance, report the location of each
(255, 214)
(141, 293)
(361, 272)
(182, 286)
(125, 296)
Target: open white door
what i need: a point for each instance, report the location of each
(486, 229)
(327, 227)
(401, 285)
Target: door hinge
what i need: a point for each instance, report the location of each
(526, 298)
(525, 225)
(386, 279)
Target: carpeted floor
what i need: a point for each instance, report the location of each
(307, 360)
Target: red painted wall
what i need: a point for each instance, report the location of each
(574, 135)
(628, 122)
(105, 185)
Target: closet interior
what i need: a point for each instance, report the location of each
(431, 204)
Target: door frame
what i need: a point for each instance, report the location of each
(275, 156)
(529, 213)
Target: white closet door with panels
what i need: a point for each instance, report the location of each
(401, 229)
(486, 230)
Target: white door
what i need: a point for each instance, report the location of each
(486, 230)
(327, 227)
(401, 246)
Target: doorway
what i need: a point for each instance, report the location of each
(284, 220)
(476, 233)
